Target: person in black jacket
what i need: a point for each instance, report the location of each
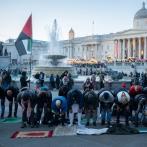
(11, 95)
(106, 100)
(122, 101)
(90, 106)
(75, 105)
(27, 99)
(23, 80)
(44, 99)
(2, 98)
(142, 108)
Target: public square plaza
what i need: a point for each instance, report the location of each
(73, 74)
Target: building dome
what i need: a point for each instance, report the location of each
(142, 13)
(140, 18)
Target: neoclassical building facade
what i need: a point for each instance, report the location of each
(122, 45)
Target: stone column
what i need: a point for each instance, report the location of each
(119, 49)
(123, 49)
(134, 48)
(139, 48)
(129, 48)
(145, 48)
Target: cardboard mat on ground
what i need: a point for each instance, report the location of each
(10, 120)
(65, 131)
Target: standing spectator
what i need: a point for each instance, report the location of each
(57, 81)
(41, 79)
(87, 85)
(101, 81)
(70, 82)
(65, 73)
(93, 80)
(6, 80)
(52, 81)
(23, 80)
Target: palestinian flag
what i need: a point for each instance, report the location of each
(24, 41)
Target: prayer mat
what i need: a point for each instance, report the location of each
(142, 130)
(65, 131)
(91, 131)
(10, 120)
(32, 134)
(121, 129)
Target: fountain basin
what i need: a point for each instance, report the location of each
(53, 70)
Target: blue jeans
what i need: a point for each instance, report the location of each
(106, 115)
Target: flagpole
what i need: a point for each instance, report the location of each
(30, 60)
(30, 68)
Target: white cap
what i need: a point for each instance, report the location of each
(58, 103)
(123, 97)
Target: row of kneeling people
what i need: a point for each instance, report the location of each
(60, 109)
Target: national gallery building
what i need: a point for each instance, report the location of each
(118, 46)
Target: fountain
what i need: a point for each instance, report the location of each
(52, 62)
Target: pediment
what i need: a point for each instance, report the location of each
(131, 32)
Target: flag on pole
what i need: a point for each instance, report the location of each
(24, 41)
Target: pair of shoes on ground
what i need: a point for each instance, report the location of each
(94, 124)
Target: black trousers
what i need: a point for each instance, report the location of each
(48, 116)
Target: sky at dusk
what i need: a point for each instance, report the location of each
(86, 17)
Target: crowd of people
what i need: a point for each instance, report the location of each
(40, 107)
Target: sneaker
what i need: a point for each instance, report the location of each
(9, 116)
(15, 115)
(24, 125)
(87, 124)
(94, 124)
(81, 126)
(70, 125)
(108, 124)
(103, 122)
(37, 125)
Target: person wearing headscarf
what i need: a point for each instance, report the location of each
(88, 85)
(59, 108)
(90, 106)
(75, 105)
(106, 100)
